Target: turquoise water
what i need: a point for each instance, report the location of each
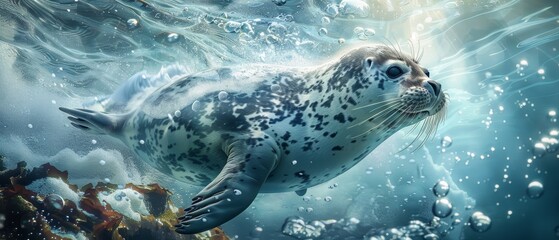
(497, 60)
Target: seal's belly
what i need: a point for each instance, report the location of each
(311, 157)
(178, 148)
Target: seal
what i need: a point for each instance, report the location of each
(243, 130)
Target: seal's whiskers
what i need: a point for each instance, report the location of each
(387, 107)
(377, 103)
(429, 126)
(394, 111)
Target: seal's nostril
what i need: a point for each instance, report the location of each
(436, 87)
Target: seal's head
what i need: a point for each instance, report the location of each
(395, 89)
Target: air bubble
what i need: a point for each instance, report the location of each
(102, 162)
(325, 21)
(539, 149)
(341, 40)
(30, 125)
(479, 222)
(196, 106)
(310, 209)
(119, 196)
(294, 162)
(142, 142)
(369, 32)
(132, 23)
(237, 192)
(456, 222)
(358, 30)
(442, 208)
(441, 189)
(322, 31)
(327, 198)
(232, 27)
(172, 37)
(93, 141)
(177, 113)
(446, 141)
(54, 202)
(535, 189)
(332, 10)
(222, 96)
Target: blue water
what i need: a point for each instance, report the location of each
(498, 60)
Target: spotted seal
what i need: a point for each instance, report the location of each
(244, 130)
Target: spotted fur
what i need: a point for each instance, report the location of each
(308, 112)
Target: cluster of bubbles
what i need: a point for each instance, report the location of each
(478, 221)
(298, 228)
(303, 209)
(255, 31)
(547, 144)
(363, 33)
(348, 8)
(442, 207)
(120, 196)
(414, 230)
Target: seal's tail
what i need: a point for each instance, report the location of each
(96, 122)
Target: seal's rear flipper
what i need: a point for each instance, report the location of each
(249, 163)
(95, 122)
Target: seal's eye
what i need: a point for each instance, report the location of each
(426, 72)
(394, 72)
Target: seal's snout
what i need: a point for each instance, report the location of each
(433, 87)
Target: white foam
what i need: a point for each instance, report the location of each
(81, 169)
(130, 203)
(46, 186)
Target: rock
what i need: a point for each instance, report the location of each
(28, 215)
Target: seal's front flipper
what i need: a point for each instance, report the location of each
(301, 192)
(249, 163)
(95, 122)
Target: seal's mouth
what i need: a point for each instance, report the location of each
(425, 99)
(427, 103)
